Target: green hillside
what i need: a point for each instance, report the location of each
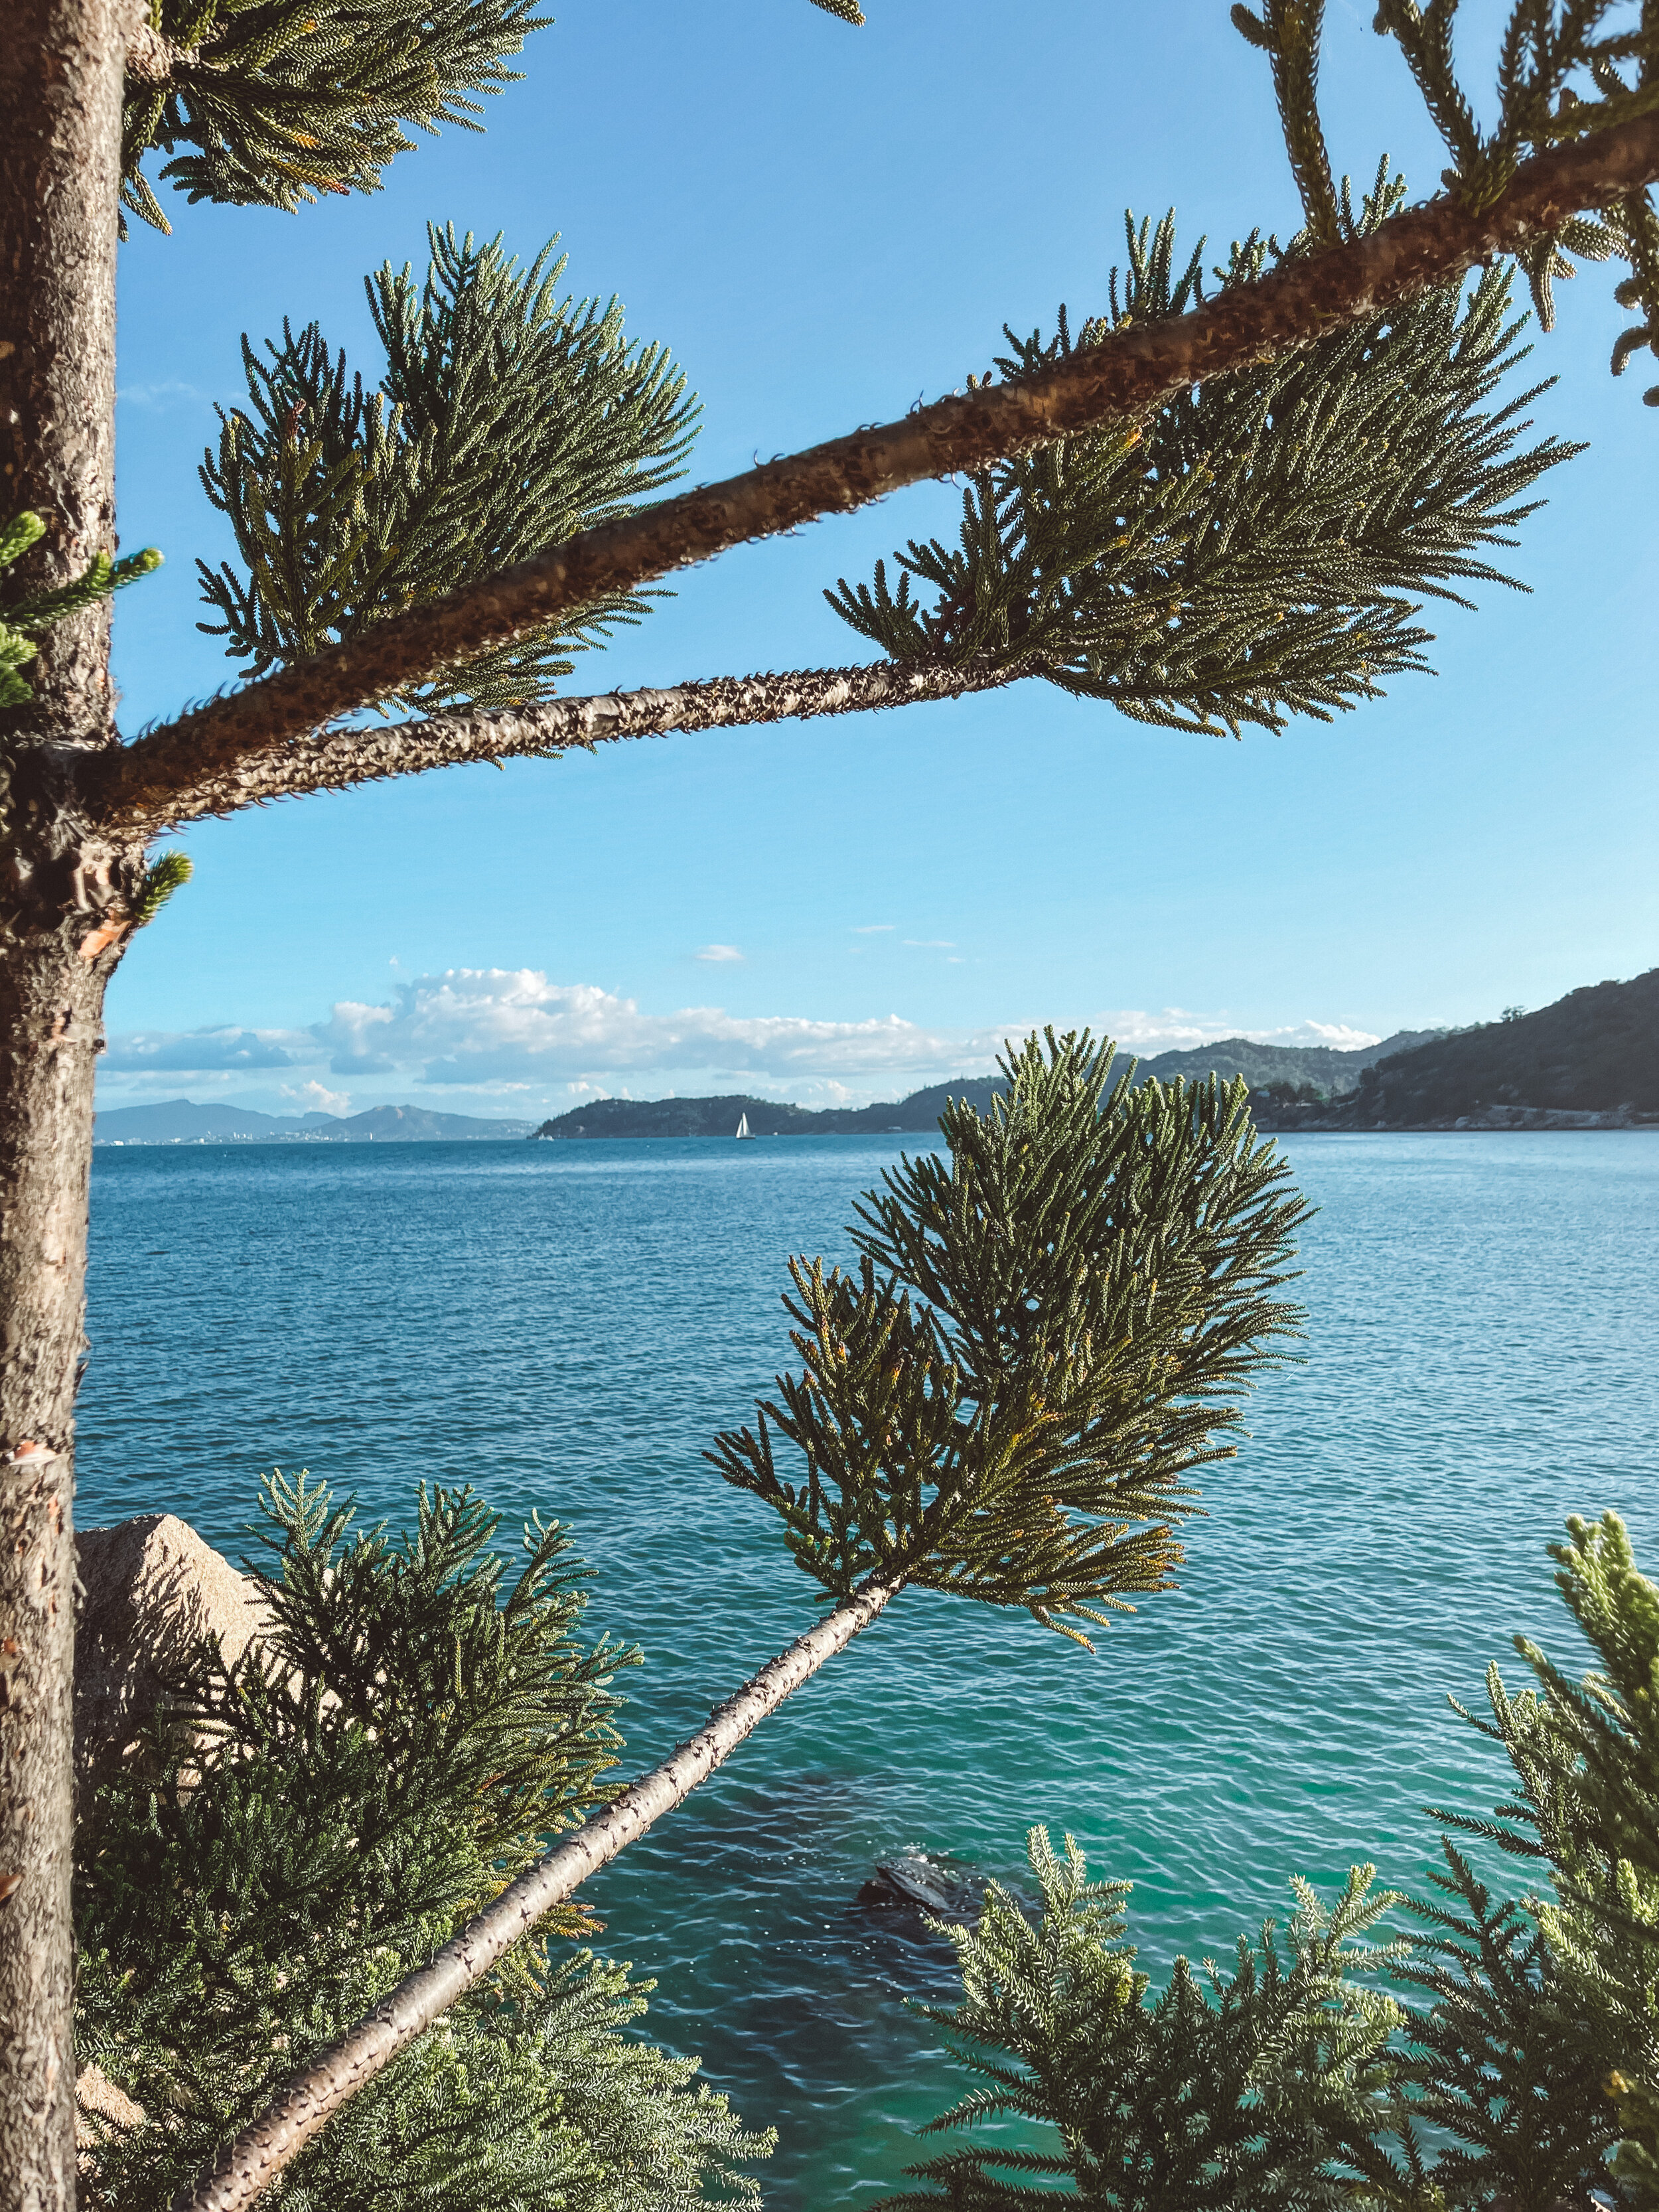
(1595, 1050)
(767, 1117)
(1322, 1065)
(678, 1117)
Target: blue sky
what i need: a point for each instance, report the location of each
(825, 224)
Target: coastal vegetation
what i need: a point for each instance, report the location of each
(1213, 512)
(767, 1117)
(1323, 1067)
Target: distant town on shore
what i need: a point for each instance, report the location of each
(1591, 1059)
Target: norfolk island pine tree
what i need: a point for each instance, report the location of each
(1114, 471)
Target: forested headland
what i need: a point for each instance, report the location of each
(1595, 1053)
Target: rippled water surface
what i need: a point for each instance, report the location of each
(565, 1326)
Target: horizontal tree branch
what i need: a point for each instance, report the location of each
(140, 803)
(1128, 373)
(251, 2163)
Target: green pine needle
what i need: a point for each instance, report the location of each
(298, 1829)
(1254, 550)
(167, 873)
(1046, 1339)
(1565, 68)
(1235, 2093)
(1522, 2049)
(271, 104)
(268, 103)
(29, 617)
(506, 419)
(18, 535)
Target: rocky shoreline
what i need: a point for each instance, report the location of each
(1344, 1115)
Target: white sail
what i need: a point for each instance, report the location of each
(743, 1124)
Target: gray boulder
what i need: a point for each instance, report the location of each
(150, 1588)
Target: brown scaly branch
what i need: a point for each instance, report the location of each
(1126, 374)
(152, 59)
(245, 2168)
(140, 803)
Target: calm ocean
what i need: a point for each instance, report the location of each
(565, 1326)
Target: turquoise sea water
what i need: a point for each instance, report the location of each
(566, 1327)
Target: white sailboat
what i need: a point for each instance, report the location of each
(743, 1129)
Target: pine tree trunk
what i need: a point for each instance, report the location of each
(49, 1020)
(62, 898)
(244, 2169)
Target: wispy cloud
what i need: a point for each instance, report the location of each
(314, 1098)
(719, 952)
(209, 1051)
(1176, 1029)
(931, 944)
(512, 1037)
(499, 1025)
(872, 928)
(1338, 1036)
(167, 391)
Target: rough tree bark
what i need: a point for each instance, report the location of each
(247, 2167)
(61, 898)
(333, 760)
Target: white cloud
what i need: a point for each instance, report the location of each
(719, 952)
(1337, 1035)
(166, 392)
(504, 1026)
(1175, 1029)
(931, 944)
(350, 1034)
(520, 1044)
(314, 1098)
(872, 928)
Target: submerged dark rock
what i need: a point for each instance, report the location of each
(919, 1883)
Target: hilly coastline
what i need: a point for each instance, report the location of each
(1588, 1059)
(1327, 1069)
(767, 1117)
(1259, 1064)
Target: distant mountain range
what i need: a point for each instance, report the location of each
(176, 1121)
(1322, 1065)
(1259, 1064)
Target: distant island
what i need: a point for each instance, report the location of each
(176, 1121)
(767, 1117)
